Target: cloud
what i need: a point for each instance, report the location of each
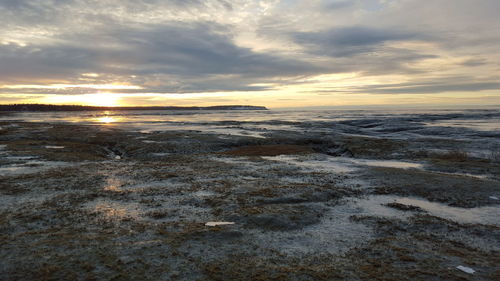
(197, 56)
(195, 46)
(437, 88)
(333, 6)
(349, 41)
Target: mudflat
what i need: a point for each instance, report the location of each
(84, 202)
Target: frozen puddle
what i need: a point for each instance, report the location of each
(386, 163)
(160, 154)
(338, 233)
(315, 164)
(150, 141)
(335, 234)
(203, 193)
(374, 205)
(340, 164)
(30, 167)
(218, 130)
(487, 124)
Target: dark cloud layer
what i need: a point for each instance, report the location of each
(349, 41)
(201, 51)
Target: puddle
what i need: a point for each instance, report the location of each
(340, 164)
(219, 130)
(54, 147)
(483, 177)
(150, 141)
(218, 223)
(386, 163)
(160, 154)
(20, 158)
(30, 167)
(374, 206)
(335, 234)
(321, 165)
(483, 215)
(487, 124)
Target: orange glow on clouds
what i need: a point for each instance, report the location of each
(98, 99)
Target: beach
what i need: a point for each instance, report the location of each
(250, 195)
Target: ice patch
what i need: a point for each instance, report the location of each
(386, 163)
(335, 234)
(160, 154)
(339, 164)
(315, 163)
(20, 158)
(487, 124)
(465, 175)
(218, 223)
(212, 129)
(483, 215)
(30, 167)
(203, 193)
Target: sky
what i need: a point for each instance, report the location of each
(274, 53)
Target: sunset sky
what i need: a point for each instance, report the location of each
(274, 53)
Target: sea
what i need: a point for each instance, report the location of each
(392, 123)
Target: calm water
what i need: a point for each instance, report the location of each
(257, 123)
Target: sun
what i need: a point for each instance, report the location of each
(101, 99)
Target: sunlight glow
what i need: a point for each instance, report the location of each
(98, 99)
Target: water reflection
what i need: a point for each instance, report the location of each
(106, 119)
(112, 210)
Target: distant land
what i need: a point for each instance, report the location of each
(50, 107)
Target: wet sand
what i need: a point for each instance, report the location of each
(83, 202)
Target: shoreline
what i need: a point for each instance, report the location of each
(291, 206)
